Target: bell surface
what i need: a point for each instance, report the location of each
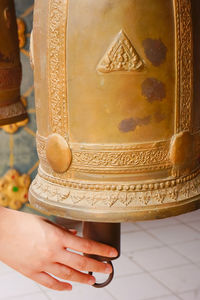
(11, 108)
(117, 102)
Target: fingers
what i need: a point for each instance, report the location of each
(59, 226)
(51, 283)
(82, 263)
(70, 274)
(87, 246)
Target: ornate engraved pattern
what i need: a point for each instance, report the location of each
(184, 64)
(41, 145)
(114, 158)
(121, 186)
(121, 56)
(117, 196)
(133, 158)
(113, 61)
(56, 63)
(10, 78)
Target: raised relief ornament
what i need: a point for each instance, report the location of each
(121, 56)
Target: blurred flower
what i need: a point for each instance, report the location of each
(21, 32)
(14, 189)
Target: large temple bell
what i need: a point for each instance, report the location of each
(11, 108)
(118, 111)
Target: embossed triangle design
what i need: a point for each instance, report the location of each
(120, 56)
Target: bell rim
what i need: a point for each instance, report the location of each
(112, 215)
(11, 120)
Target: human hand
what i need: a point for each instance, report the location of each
(38, 249)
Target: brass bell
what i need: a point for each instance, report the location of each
(11, 108)
(117, 97)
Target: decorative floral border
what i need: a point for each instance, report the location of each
(184, 45)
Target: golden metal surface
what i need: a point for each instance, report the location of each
(58, 153)
(114, 215)
(119, 79)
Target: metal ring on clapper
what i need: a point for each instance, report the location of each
(110, 278)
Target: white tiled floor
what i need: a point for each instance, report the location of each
(160, 261)
(158, 258)
(180, 279)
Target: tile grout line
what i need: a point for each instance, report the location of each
(170, 245)
(151, 275)
(196, 230)
(190, 260)
(167, 246)
(163, 245)
(158, 298)
(176, 251)
(160, 226)
(189, 291)
(110, 294)
(43, 292)
(143, 249)
(21, 295)
(172, 292)
(130, 274)
(167, 268)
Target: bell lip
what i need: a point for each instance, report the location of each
(113, 215)
(12, 120)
